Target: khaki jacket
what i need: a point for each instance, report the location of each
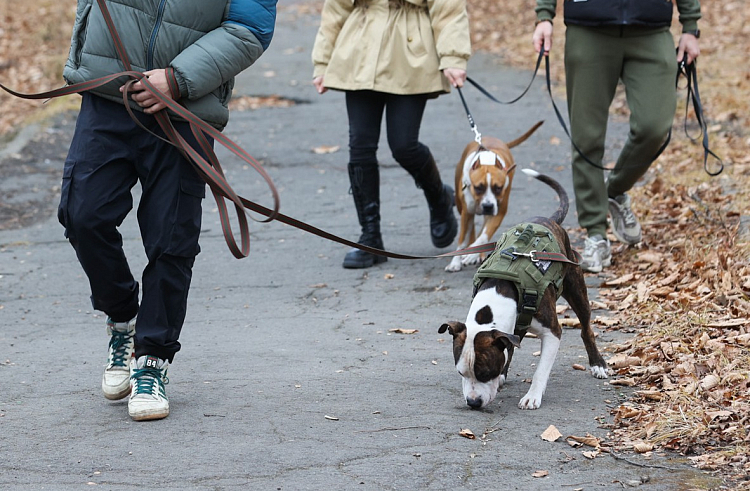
(396, 46)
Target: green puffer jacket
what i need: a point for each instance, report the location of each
(206, 42)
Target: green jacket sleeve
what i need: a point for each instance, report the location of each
(690, 12)
(215, 59)
(545, 9)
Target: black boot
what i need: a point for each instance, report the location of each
(365, 182)
(440, 200)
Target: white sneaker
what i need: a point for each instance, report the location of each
(148, 399)
(116, 378)
(625, 225)
(596, 254)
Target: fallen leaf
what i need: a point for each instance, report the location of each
(551, 434)
(626, 382)
(580, 367)
(621, 360)
(589, 440)
(540, 473)
(467, 433)
(710, 381)
(400, 330)
(621, 280)
(591, 454)
(574, 322)
(643, 447)
(332, 418)
(326, 149)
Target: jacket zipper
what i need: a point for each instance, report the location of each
(152, 41)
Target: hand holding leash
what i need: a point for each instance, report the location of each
(146, 99)
(688, 46)
(543, 36)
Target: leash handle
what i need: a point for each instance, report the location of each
(690, 71)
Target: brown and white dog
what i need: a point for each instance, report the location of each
(484, 176)
(483, 345)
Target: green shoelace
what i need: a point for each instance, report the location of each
(119, 343)
(146, 378)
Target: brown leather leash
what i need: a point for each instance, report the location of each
(209, 168)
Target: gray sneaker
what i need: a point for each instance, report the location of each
(625, 225)
(596, 254)
(116, 377)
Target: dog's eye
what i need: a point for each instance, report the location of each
(480, 189)
(497, 189)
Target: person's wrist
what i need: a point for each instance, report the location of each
(694, 32)
(539, 21)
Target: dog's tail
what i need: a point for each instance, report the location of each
(562, 210)
(525, 136)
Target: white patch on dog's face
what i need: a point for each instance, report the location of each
(488, 204)
(481, 364)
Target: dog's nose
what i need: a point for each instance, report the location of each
(487, 208)
(474, 403)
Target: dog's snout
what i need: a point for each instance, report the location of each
(474, 403)
(487, 208)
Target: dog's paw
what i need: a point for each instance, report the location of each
(471, 259)
(599, 372)
(530, 401)
(455, 265)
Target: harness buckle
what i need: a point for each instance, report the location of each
(529, 301)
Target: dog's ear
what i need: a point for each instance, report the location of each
(505, 340)
(453, 327)
(511, 169)
(475, 165)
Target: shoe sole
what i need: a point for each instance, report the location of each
(624, 239)
(116, 396)
(363, 265)
(605, 264)
(148, 415)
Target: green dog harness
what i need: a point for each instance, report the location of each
(528, 256)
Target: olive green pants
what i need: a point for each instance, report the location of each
(595, 60)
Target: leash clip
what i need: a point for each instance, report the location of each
(531, 255)
(477, 135)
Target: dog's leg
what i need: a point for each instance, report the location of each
(575, 293)
(550, 345)
(467, 227)
(491, 224)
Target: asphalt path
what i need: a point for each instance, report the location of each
(290, 376)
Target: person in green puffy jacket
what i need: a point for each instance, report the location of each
(190, 50)
(607, 41)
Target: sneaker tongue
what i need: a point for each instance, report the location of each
(151, 362)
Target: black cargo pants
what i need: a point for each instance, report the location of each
(109, 154)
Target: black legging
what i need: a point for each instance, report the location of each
(403, 117)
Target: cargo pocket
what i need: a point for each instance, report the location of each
(62, 209)
(186, 229)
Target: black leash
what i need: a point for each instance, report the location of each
(688, 70)
(691, 75)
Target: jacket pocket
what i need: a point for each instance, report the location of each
(62, 208)
(79, 36)
(183, 240)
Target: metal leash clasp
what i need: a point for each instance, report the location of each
(531, 255)
(477, 135)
